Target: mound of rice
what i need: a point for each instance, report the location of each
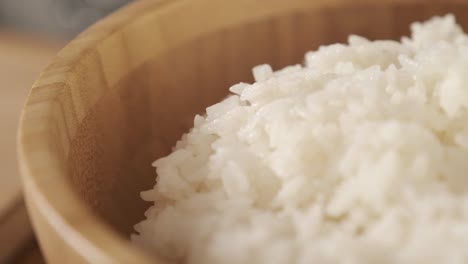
(359, 156)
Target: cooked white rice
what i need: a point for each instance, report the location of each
(360, 156)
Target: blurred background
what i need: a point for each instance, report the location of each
(31, 33)
(54, 18)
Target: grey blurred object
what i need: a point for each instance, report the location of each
(61, 18)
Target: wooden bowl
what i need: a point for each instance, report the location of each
(120, 95)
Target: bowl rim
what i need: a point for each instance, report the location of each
(40, 159)
(94, 241)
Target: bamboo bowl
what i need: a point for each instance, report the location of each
(120, 95)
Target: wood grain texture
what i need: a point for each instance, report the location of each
(123, 92)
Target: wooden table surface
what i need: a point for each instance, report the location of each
(22, 57)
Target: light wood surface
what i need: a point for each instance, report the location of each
(119, 96)
(22, 58)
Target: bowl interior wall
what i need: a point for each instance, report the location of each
(142, 116)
